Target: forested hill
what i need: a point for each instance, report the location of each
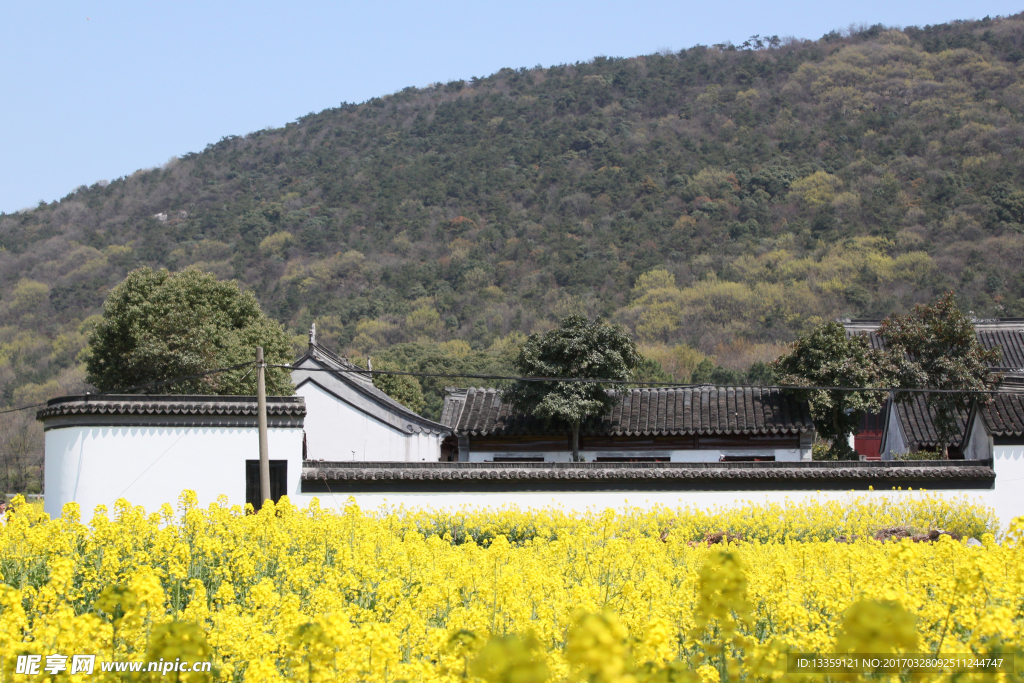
(718, 201)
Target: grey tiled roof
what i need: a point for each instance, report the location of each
(810, 472)
(1006, 333)
(1004, 415)
(915, 418)
(362, 381)
(169, 404)
(662, 411)
(357, 376)
(1010, 339)
(918, 423)
(351, 371)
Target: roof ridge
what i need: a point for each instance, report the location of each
(644, 410)
(96, 405)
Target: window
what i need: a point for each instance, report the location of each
(519, 444)
(632, 458)
(716, 441)
(278, 481)
(637, 443)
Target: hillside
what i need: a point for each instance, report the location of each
(718, 201)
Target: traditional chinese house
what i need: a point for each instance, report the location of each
(908, 426)
(349, 419)
(683, 424)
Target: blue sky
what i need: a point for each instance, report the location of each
(94, 90)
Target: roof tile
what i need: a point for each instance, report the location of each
(659, 411)
(167, 404)
(1004, 415)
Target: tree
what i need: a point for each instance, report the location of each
(702, 373)
(936, 347)
(403, 388)
(760, 374)
(827, 357)
(707, 372)
(650, 370)
(21, 450)
(158, 325)
(578, 348)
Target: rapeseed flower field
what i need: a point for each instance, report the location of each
(634, 596)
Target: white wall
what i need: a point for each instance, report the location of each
(581, 501)
(337, 431)
(781, 454)
(895, 442)
(1005, 500)
(150, 466)
(979, 445)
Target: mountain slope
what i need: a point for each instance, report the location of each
(717, 199)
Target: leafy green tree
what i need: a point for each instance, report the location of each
(158, 325)
(760, 374)
(702, 373)
(650, 370)
(827, 357)
(450, 358)
(403, 388)
(707, 372)
(725, 377)
(936, 347)
(578, 348)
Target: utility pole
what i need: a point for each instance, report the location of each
(261, 408)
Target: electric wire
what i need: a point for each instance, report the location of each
(128, 390)
(513, 378)
(678, 385)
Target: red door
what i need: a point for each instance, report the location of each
(868, 439)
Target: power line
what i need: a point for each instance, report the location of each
(587, 380)
(139, 386)
(175, 379)
(512, 378)
(15, 410)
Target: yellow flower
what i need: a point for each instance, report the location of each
(596, 647)
(875, 627)
(510, 659)
(339, 593)
(708, 674)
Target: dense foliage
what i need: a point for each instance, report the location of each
(580, 349)
(320, 594)
(935, 346)
(158, 326)
(827, 357)
(405, 389)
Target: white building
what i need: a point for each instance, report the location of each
(340, 437)
(148, 449)
(349, 419)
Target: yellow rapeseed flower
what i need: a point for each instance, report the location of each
(645, 595)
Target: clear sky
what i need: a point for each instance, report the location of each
(95, 89)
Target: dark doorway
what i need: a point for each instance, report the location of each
(278, 481)
(449, 449)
